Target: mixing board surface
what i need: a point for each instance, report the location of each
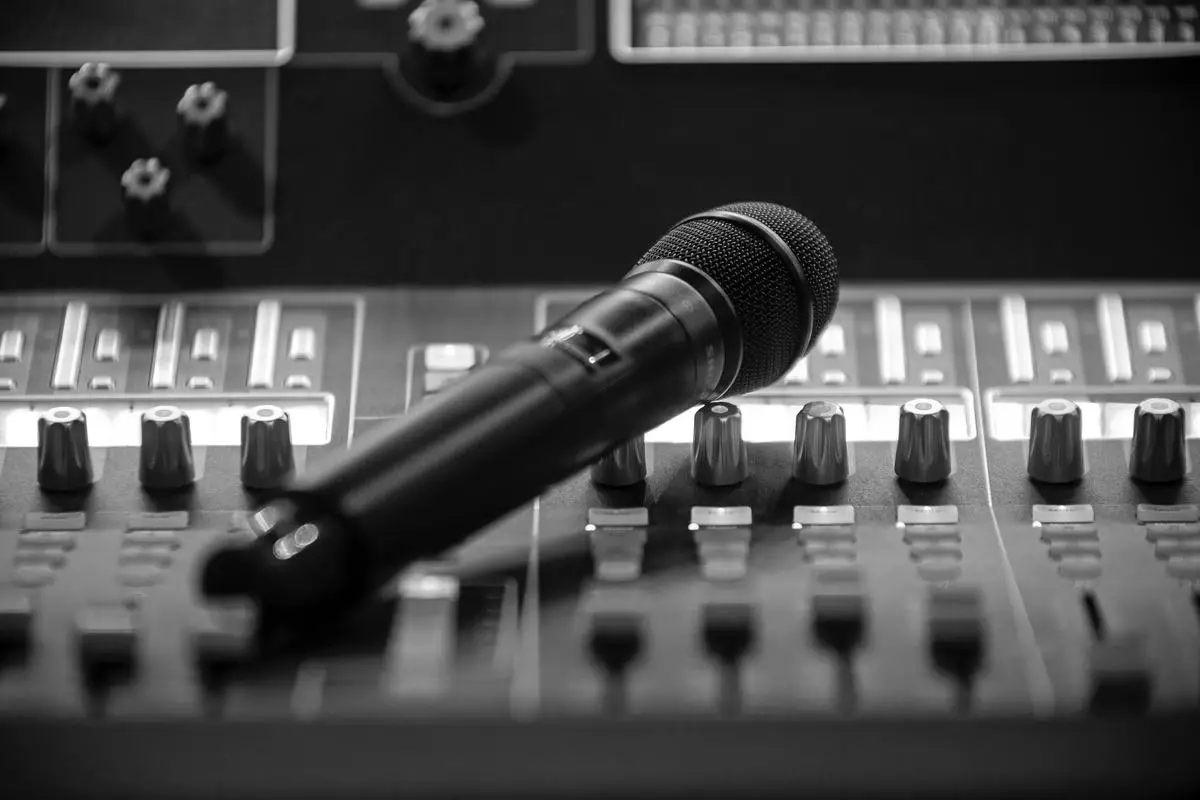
(237, 237)
(721, 585)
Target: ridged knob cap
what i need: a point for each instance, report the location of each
(166, 455)
(445, 25)
(64, 460)
(1159, 452)
(267, 458)
(624, 465)
(923, 443)
(718, 452)
(819, 454)
(1056, 442)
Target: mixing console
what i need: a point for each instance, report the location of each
(979, 507)
(969, 520)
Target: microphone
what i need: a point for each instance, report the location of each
(723, 304)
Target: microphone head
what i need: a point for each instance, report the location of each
(779, 273)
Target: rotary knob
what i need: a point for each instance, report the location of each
(624, 465)
(923, 443)
(445, 25)
(203, 119)
(267, 458)
(166, 455)
(1056, 442)
(819, 455)
(64, 461)
(93, 90)
(1159, 451)
(718, 452)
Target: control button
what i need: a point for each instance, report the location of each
(108, 345)
(839, 609)
(832, 342)
(106, 636)
(102, 383)
(64, 458)
(199, 382)
(819, 451)
(833, 377)
(449, 357)
(7, 385)
(93, 100)
(923, 445)
(206, 344)
(927, 338)
(1121, 680)
(728, 630)
(1152, 336)
(297, 382)
(1054, 337)
(204, 119)
(615, 639)
(718, 452)
(1159, 450)
(1061, 376)
(1056, 442)
(12, 344)
(1159, 375)
(445, 26)
(166, 452)
(145, 186)
(956, 629)
(222, 634)
(624, 465)
(267, 458)
(932, 377)
(16, 619)
(303, 344)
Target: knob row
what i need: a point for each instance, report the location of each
(64, 461)
(819, 452)
(923, 449)
(1158, 450)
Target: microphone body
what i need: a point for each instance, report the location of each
(723, 304)
(621, 363)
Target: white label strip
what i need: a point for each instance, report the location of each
(167, 342)
(1018, 351)
(889, 332)
(266, 344)
(70, 346)
(1114, 338)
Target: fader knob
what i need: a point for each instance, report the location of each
(166, 456)
(1056, 442)
(819, 455)
(445, 25)
(1159, 452)
(267, 458)
(718, 452)
(64, 460)
(624, 465)
(923, 444)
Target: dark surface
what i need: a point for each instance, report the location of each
(125, 25)
(934, 171)
(224, 202)
(22, 158)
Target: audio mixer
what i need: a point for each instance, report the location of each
(954, 550)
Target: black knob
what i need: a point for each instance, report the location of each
(1056, 442)
(267, 458)
(1159, 449)
(166, 454)
(624, 465)
(923, 444)
(718, 452)
(64, 458)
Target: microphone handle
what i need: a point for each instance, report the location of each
(621, 363)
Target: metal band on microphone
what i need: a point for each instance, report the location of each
(780, 247)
